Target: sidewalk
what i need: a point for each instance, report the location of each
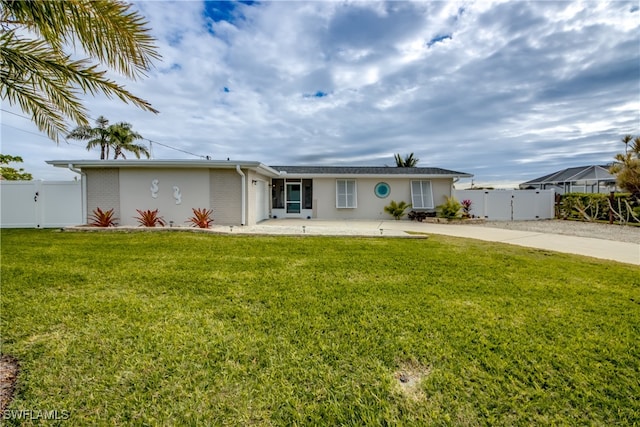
(628, 253)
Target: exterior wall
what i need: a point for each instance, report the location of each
(226, 196)
(103, 190)
(258, 196)
(128, 189)
(369, 206)
(173, 205)
(442, 188)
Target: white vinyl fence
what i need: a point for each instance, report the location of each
(40, 204)
(509, 205)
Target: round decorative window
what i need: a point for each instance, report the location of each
(382, 190)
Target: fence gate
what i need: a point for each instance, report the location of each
(40, 204)
(510, 205)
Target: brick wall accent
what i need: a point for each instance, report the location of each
(103, 190)
(226, 193)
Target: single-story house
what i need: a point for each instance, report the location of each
(583, 179)
(245, 193)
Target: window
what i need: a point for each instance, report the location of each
(307, 193)
(421, 195)
(382, 190)
(346, 193)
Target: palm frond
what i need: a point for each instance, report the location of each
(44, 81)
(107, 30)
(122, 137)
(409, 161)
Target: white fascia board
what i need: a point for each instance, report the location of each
(267, 170)
(178, 164)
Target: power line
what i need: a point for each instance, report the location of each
(37, 134)
(25, 131)
(173, 148)
(146, 139)
(15, 114)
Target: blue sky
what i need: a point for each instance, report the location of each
(505, 90)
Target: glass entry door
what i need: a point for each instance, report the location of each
(293, 197)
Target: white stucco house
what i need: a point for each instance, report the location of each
(246, 192)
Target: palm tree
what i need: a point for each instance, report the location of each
(38, 75)
(627, 165)
(635, 147)
(97, 136)
(122, 138)
(408, 162)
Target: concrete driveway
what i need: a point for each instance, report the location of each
(598, 248)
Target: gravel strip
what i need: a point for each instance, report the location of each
(618, 233)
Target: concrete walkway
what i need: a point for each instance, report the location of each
(598, 248)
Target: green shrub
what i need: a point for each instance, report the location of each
(595, 207)
(397, 210)
(450, 209)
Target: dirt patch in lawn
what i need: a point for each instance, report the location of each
(8, 377)
(408, 378)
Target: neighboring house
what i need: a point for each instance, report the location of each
(245, 193)
(584, 179)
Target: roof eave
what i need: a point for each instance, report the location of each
(284, 174)
(179, 164)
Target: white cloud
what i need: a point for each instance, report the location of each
(506, 90)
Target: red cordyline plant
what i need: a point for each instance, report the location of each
(201, 218)
(100, 218)
(466, 207)
(149, 218)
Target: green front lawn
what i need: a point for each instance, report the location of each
(194, 329)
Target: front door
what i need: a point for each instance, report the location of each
(293, 197)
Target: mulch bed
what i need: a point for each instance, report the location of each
(8, 377)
